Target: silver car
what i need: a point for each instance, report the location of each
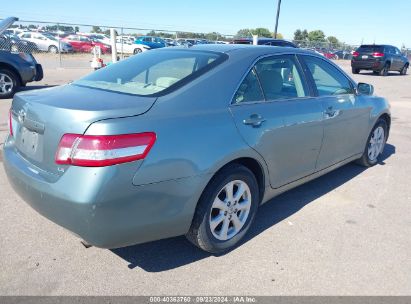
(187, 141)
(46, 42)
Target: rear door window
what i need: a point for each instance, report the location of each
(371, 49)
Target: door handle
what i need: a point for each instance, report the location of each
(254, 120)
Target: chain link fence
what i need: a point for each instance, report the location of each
(66, 45)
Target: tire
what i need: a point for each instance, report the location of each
(384, 71)
(136, 51)
(375, 72)
(9, 83)
(369, 158)
(214, 206)
(404, 69)
(355, 71)
(53, 49)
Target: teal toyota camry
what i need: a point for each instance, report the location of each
(187, 141)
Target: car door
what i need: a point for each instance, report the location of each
(345, 119)
(40, 41)
(399, 59)
(276, 115)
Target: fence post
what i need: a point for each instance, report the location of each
(113, 45)
(255, 39)
(122, 42)
(58, 37)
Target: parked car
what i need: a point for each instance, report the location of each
(343, 55)
(12, 43)
(16, 69)
(187, 141)
(102, 38)
(46, 42)
(380, 59)
(170, 42)
(84, 44)
(152, 42)
(127, 47)
(265, 41)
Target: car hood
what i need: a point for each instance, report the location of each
(6, 23)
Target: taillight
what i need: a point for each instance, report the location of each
(103, 150)
(378, 54)
(11, 123)
(355, 54)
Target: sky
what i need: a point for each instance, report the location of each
(351, 21)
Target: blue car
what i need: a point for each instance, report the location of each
(152, 42)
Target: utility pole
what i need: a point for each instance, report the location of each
(278, 16)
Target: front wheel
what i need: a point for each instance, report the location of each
(225, 210)
(375, 144)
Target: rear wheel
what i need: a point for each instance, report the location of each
(225, 210)
(355, 71)
(9, 82)
(404, 69)
(136, 51)
(53, 49)
(385, 69)
(375, 144)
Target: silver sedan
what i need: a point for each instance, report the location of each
(187, 141)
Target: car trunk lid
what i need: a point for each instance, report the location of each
(41, 117)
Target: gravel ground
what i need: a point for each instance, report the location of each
(346, 233)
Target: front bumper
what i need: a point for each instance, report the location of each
(102, 206)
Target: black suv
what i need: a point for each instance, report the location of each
(16, 69)
(380, 59)
(265, 41)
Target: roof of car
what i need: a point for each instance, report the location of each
(227, 48)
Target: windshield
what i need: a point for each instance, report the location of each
(152, 72)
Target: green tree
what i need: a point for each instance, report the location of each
(332, 40)
(244, 33)
(262, 32)
(96, 29)
(76, 29)
(317, 36)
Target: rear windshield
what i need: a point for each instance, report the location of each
(153, 72)
(371, 48)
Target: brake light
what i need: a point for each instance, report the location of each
(103, 150)
(11, 123)
(378, 54)
(355, 54)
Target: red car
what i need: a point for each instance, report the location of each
(84, 44)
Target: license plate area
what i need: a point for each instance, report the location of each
(29, 143)
(364, 56)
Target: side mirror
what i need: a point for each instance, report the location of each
(365, 89)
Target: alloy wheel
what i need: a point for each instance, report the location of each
(230, 210)
(6, 84)
(376, 144)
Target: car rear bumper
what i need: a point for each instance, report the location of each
(367, 65)
(102, 207)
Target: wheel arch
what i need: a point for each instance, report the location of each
(7, 66)
(254, 166)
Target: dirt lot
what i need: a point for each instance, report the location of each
(346, 233)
